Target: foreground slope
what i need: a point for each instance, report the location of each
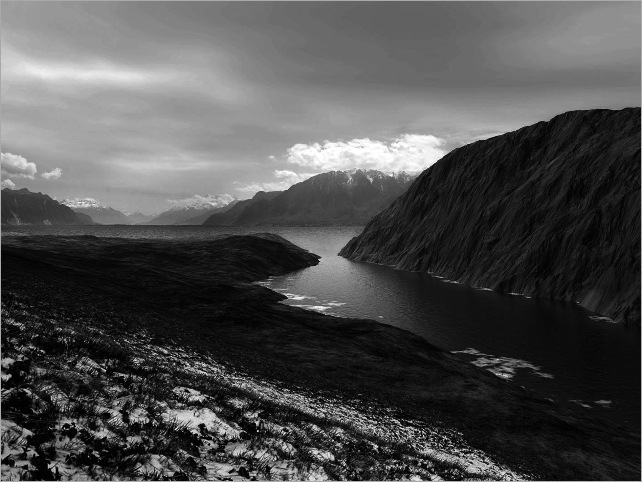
(126, 405)
(550, 210)
(198, 298)
(21, 206)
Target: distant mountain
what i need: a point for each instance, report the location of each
(229, 217)
(199, 219)
(22, 206)
(100, 214)
(199, 207)
(137, 217)
(551, 210)
(332, 198)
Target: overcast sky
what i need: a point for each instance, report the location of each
(135, 104)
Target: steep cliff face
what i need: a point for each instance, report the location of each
(550, 210)
(22, 206)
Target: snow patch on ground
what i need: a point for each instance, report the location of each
(503, 367)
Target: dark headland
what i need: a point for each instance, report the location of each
(551, 210)
(114, 343)
(21, 206)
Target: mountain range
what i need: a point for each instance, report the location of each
(551, 210)
(332, 198)
(102, 214)
(194, 210)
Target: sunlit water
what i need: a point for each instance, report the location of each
(553, 348)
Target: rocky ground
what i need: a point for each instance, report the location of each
(83, 402)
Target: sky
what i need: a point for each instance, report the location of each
(143, 104)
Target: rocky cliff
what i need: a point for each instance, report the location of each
(550, 210)
(22, 206)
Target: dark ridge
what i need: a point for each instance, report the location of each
(21, 206)
(332, 198)
(550, 210)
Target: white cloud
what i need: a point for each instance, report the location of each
(286, 179)
(409, 152)
(201, 202)
(55, 174)
(17, 166)
(293, 177)
(20, 66)
(262, 186)
(8, 183)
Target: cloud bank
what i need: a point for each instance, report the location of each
(55, 174)
(8, 183)
(409, 152)
(17, 166)
(285, 179)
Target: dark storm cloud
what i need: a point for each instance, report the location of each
(140, 102)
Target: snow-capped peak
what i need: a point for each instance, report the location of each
(83, 203)
(201, 202)
(371, 174)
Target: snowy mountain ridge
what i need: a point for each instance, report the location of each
(209, 201)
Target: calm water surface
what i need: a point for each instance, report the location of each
(553, 348)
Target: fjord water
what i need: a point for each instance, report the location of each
(553, 348)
